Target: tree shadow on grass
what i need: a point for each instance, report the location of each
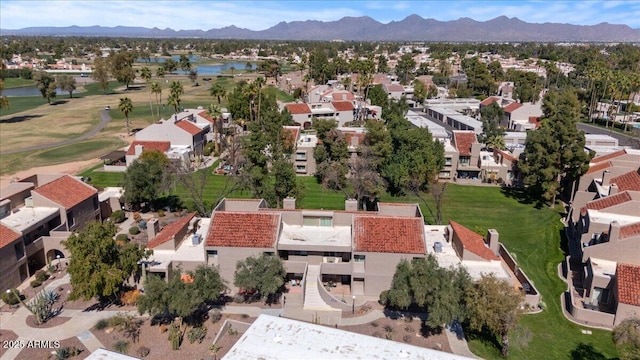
(17, 119)
(485, 337)
(59, 102)
(522, 196)
(586, 352)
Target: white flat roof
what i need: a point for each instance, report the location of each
(25, 217)
(109, 192)
(467, 120)
(448, 257)
(603, 217)
(273, 338)
(103, 354)
(603, 267)
(185, 252)
(315, 235)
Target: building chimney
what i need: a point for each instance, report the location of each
(153, 228)
(351, 205)
(613, 189)
(492, 240)
(289, 203)
(139, 149)
(606, 176)
(614, 231)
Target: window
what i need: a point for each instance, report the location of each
(301, 169)
(301, 156)
(358, 258)
(212, 256)
(297, 253)
(465, 160)
(445, 174)
(316, 221)
(71, 221)
(447, 161)
(19, 250)
(325, 221)
(600, 296)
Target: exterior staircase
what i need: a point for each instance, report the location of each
(312, 299)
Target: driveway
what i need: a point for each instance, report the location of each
(623, 139)
(104, 120)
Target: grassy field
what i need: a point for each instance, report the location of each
(532, 234)
(10, 83)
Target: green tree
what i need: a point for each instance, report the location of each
(215, 112)
(98, 265)
(66, 83)
(156, 89)
(217, 91)
(4, 102)
(146, 178)
(285, 181)
(554, 155)
(46, 85)
(170, 66)
(383, 66)
(492, 133)
(493, 304)
(405, 68)
(378, 96)
(331, 156)
(126, 106)
(121, 65)
(145, 73)
(419, 91)
(175, 90)
(264, 274)
(626, 336)
(185, 63)
(100, 73)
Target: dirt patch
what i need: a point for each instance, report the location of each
(44, 349)
(403, 330)
(71, 168)
(152, 338)
(58, 320)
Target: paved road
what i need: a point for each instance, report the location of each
(623, 139)
(105, 118)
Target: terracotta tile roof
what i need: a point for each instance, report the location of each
(463, 141)
(535, 120)
(345, 95)
(488, 101)
(349, 136)
(630, 230)
(472, 241)
(244, 229)
(512, 107)
(506, 155)
(170, 231)
(394, 88)
(206, 116)
(388, 234)
(298, 109)
(189, 127)
(628, 181)
(602, 158)
(598, 167)
(343, 105)
(628, 283)
(7, 236)
(66, 191)
(291, 133)
(161, 146)
(609, 201)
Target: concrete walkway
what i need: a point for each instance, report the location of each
(459, 345)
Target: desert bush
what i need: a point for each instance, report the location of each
(117, 217)
(130, 297)
(384, 298)
(175, 336)
(388, 336)
(11, 298)
(215, 315)
(122, 238)
(160, 213)
(101, 324)
(244, 316)
(42, 276)
(208, 149)
(134, 230)
(121, 346)
(409, 328)
(375, 323)
(407, 339)
(35, 283)
(143, 351)
(137, 217)
(62, 354)
(197, 334)
(388, 328)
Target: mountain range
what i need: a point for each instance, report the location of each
(412, 28)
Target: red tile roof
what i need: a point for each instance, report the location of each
(298, 109)
(506, 155)
(345, 95)
(463, 141)
(630, 230)
(472, 241)
(291, 133)
(7, 236)
(609, 201)
(598, 167)
(388, 234)
(161, 146)
(343, 105)
(608, 156)
(66, 191)
(394, 88)
(512, 107)
(628, 283)
(488, 101)
(628, 181)
(189, 127)
(169, 231)
(206, 116)
(244, 229)
(535, 120)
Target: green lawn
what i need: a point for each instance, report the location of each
(10, 83)
(533, 234)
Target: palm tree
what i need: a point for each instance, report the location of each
(232, 69)
(215, 112)
(259, 83)
(145, 73)
(126, 106)
(161, 72)
(175, 91)
(217, 91)
(156, 89)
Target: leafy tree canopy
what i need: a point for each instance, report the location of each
(264, 274)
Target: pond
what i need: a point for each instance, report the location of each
(239, 67)
(28, 91)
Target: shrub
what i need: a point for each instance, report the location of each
(384, 298)
(11, 298)
(117, 216)
(231, 331)
(35, 283)
(388, 328)
(117, 320)
(407, 339)
(62, 353)
(375, 323)
(408, 328)
(143, 351)
(101, 324)
(136, 216)
(42, 276)
(197, 334)
(238, 298)
(130, 297)
(388, 336)
(134, 230)
(408, 319)
(161, 213)
(122, 238)
(208, 149)
(215, 315)
(121, 346)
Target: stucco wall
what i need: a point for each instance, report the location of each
(228, 257)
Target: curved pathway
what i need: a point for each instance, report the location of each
(104, 120)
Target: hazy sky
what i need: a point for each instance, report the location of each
(259, 15)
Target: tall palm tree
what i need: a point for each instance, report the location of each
(215, 112)
(126, 106)
(259, 83)
(217, 91)
(156, 89)
(232, 69)
(145, 73)
(175, 90)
